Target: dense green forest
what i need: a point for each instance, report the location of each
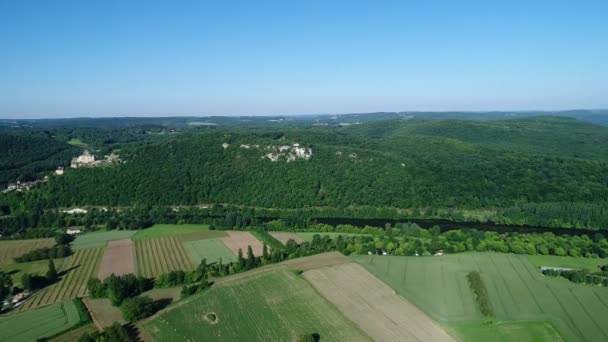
(548, 171)
(22, 156)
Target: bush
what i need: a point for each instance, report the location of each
(481, 293)
(136, 308)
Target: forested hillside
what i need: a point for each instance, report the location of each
(532, 173)
(23, 156)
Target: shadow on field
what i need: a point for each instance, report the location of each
(64, 272)
(162, 303)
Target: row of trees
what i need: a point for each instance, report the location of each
(580, 276)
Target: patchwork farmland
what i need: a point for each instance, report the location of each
(35, 324)
(10, 249)
(374, 306)
(156, 256)
(523, 299)
(77, 270)
(118, 259)
(282, 306)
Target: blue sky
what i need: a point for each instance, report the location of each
(115, 58)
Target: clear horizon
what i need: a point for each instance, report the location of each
(67, 59)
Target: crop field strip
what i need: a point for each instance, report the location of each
(10, 249)
(118, 258)
(284, 307)
(517, 290)
(80, 267)
(160, 255)
(373, 305)
(35, 324)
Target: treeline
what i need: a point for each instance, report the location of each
(58, 251)
(408, 172)
(481, 293)
(581, 276)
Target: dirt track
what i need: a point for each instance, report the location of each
(284, 237)
(118, 258)
(236, 240)
(374, 306)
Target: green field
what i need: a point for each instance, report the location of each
(590, 264)
(518, 292)
(307, 236)
(210, 249)
(39, 323)
(35, 267)
(10, 249)
(77, 143)
(269, 306)
(506, 331)
(100, 238)
(186, 232)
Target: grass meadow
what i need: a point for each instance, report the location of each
(271, 306)
(590, 264)
(38, 267)
(36, 324)
(100, 238)
(186, 232)
(211, 249)
(10, 249)
(520, 296)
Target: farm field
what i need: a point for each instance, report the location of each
(517, 292)
(156, 256)
(118, 258)
(74, 334)
(38, 267)
(77, 270)
(283, 308)
(186, 232)
(103, 313)
(241, 240)
(100, 238)
(590, 264)
(35, 324)
(307, 236)
(374, 306)
(10, 249)
(211, 249)
(507, 331)
(285, 236)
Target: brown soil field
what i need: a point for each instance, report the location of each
(118, 258)
(374, 306)
(317, 261)
(10, 249)
(284, 237)
(236, 240)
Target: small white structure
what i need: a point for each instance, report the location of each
(75, 211)
(59, 170)
(73, 231)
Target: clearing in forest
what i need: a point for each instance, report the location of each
(524, 302)
(156, 256)
(118, 259)
(211, 249)
(374, 306)
(40, 323)
(238, 239)
(100, 238)
(272, 306)
(76, 272)
(285, 236)
(10, 249)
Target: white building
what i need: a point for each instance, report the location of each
(59, 170)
